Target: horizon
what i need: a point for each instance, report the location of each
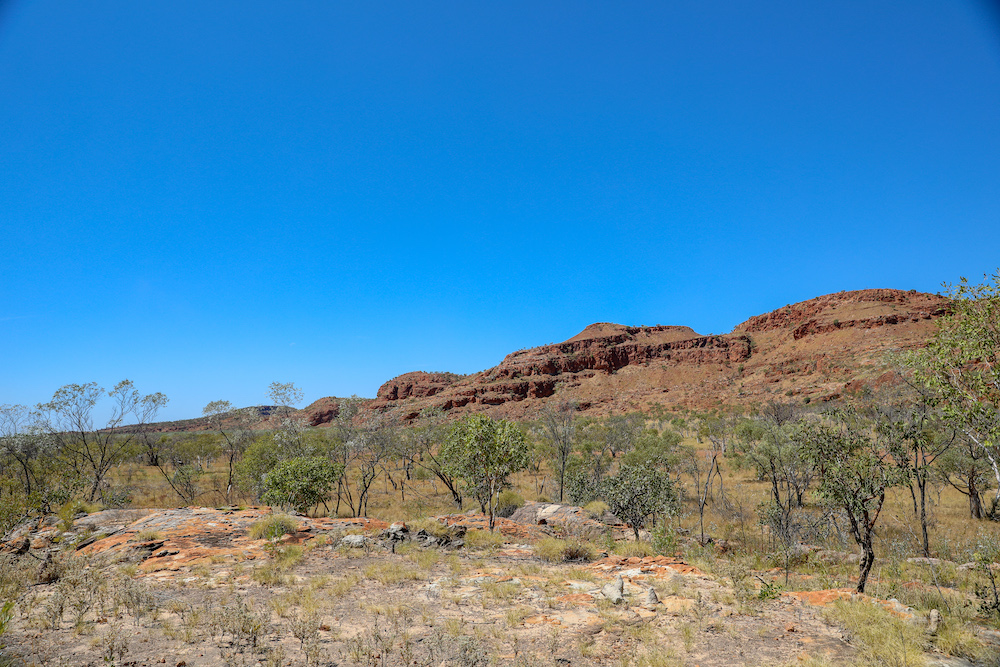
(206, 199)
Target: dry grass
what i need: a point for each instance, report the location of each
(561, 551)
(880, 637)
(392, 572)
(148, 535)
(272, 527)
(634, 549)
(954, 536)
(483, 540)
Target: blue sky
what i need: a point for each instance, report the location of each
(207, 197)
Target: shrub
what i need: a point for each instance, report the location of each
(595, 509)
(561, 551)
(272, 527)
(483, 539)
(69, 511)
(508, 503)
(664, 540)
(301, 483)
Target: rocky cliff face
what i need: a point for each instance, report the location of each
(802, 352)
(809, 351)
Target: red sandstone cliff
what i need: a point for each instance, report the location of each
(806, 351)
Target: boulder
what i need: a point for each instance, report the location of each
(614, 590)
(354, 541)
(933, 622)
(398, 532)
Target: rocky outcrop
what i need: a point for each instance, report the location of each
(912, 305)
(636, 345)
(538, 373)
(818, 349)
(320, 412)
(807, 351)
(416, 385)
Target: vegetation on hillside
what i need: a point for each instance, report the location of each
(880, 473)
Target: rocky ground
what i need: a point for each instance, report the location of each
(187, 587)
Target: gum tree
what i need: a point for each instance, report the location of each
(558, 426)
(69, 419)
(855, 470)
(484, 453)
(961, 364)
(636, 492)
(234, 426)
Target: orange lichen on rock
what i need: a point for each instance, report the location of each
(654, 566)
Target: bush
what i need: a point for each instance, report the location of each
(596, 509)
(664, 540)
(508, 503)
(301, 483)
(562, 551)
(272, 527)
(258, 460)
(581, 487)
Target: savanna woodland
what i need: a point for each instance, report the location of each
(861, 530)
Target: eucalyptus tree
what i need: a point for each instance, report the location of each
(961, 364)
(484, 453)
(559, 427)
(637, 491)
(33, 477)
(855, 469)
(424, 446)
(965, 468)
(907, 421)
(69, 419)
(235, 428)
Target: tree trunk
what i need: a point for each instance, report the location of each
(922, 485)
(867, 560)
(975, 500)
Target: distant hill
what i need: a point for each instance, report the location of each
(809, 351)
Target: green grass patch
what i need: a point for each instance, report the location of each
(272, 527)
(880, 637)
(562, 551)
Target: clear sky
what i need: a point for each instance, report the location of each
(205, 197)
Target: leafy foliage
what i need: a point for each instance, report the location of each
(636, 492)
(855, 472)
(301, 482)
(962, 364)
(484, 453)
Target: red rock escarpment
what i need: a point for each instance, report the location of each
(807, 350)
